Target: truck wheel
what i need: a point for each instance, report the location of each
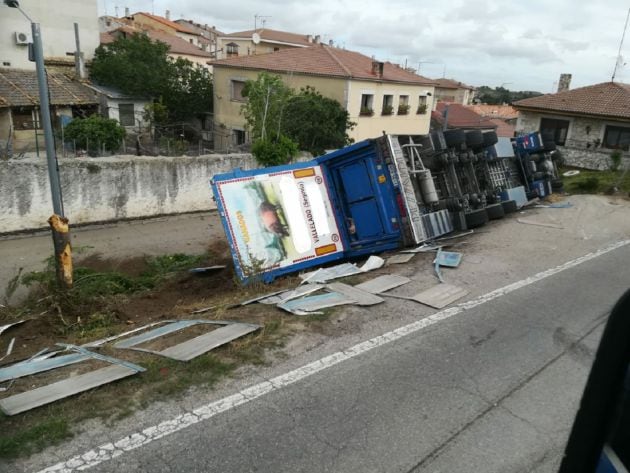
(495, 211)
(476, 218)
(490, 138)
(454, 138)
(474, 139)
(509, 206)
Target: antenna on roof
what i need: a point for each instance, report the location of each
(262, 18)
(619, 59)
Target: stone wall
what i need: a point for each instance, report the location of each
(597, 159)
(109, 189)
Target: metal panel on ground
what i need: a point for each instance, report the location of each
(383, 283)
(440, 296)
(361, 297)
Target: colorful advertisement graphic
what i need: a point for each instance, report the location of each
(276, 220)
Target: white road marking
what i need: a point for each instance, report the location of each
(131, 442)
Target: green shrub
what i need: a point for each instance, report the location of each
(615, 160)
(95, 133)
(589, 184)
(273, 152)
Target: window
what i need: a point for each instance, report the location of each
(388, 105)
(125, 114)
(231, 49)
(367, 104)
(422, 105)
(617, 137)
(24, 119)
(558, 128)
(403, 105)
(238, 137)
(276, 49)
(237, 90)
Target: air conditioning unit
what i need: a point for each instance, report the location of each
(22, 37)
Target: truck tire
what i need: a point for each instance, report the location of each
(548, 141)
(509, 206)
(474, 139)
(490, 138)
(495, 211)
(476, 218)
(454, 138)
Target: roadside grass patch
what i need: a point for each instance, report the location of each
(597, 182)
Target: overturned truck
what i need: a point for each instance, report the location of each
(369, 197)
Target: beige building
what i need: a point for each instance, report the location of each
(452, 91)
(261, 41)
(57, 20)
(379, 97)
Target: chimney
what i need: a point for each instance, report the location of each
(309, 38)
(317, 39)
(126, 11)
(564, 82)
(167, 14)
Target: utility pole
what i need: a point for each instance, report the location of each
(58, 223)
(619, 57)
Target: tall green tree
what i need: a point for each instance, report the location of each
(267, 99)
(139, 66)
(316, 122)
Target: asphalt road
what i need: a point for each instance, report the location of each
(492, 389)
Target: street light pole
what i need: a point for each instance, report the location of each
(58, 223)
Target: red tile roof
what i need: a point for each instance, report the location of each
(460, 116)
(169, 23)
(322, 60)
(506, 112)
(272, 35)
(608, 99)
(451, 84)
(176, 44)
(503, 128)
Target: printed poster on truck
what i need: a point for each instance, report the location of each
(279, 219)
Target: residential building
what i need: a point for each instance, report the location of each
(147, 21)
(588, 122)
(20, 128)
(452, 91)
(262, 41)
(57, 26)
(504, 116)
(178, 48)
(379, 96)
(208, 35)
(126, 109)
(456, 115)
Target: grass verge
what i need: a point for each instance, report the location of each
(597, 182)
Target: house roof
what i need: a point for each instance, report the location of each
(460, 116)
(273, 35)
(451, 84)
(322, 60)
(608, 99)
(198, 27)
(114, 93)
(176, 44)
(506, 112)
(172, 24)
(18, 88)
(504, 129)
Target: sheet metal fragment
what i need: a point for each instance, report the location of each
(440, 296)
(362, 298)
(313, 303)
(450, 259)
(400, 258)
(299, 291)
(383, 283)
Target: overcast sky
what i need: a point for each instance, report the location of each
(480, 42)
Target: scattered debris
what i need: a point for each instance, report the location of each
(383, 283)
(559, 205)
(540, 224)
(255, 299)
(307, 305)
(362, 298)
(422, 249)
(440, 296)
(436, 266)
(205, 309)
(323, 275)
(459, 235)
(103, 341)
(73, 385)
(530, 203)
(207, 269)
(400, 258)
(6, 327)
(573, 172)
(193, 347)
(34, 366)
(450, 259)
(9, 349)
(299, 291)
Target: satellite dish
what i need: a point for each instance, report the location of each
(255, 38)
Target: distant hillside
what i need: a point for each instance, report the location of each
(500, 95)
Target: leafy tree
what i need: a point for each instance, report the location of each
(267, 99)
(95, 132)
(316, 122)
(501, 95)
(274, 150)
(141, 67)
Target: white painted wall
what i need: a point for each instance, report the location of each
(109, 189)
(111, 108)
(57, 20)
